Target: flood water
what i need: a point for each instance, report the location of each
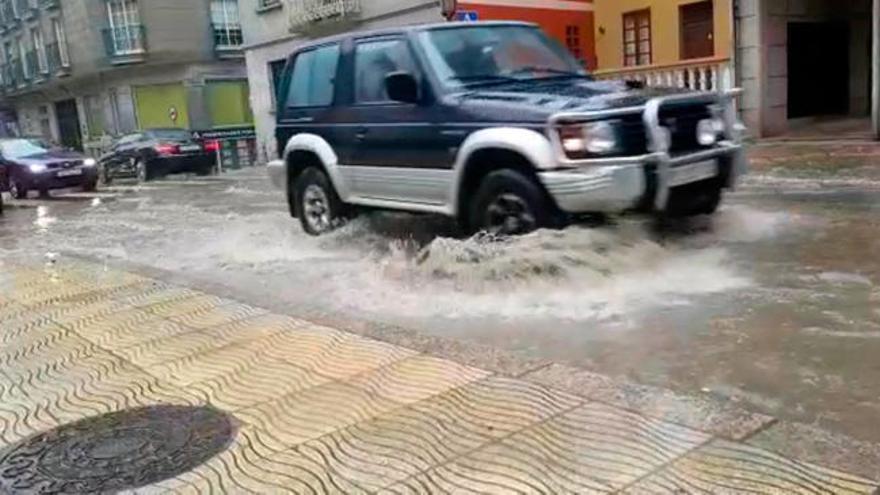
(773, 303)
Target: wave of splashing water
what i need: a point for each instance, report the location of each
(398, 265)
(578, 273)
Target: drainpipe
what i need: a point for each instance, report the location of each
(875, 69)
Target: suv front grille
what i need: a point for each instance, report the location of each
(681, 120)
(65, 164)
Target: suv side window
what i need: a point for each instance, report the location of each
(314, 75)
(375, 59)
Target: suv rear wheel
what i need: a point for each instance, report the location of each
(318, 207)
(509, 203)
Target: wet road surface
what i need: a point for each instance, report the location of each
(774, 304)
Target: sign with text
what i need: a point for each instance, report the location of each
(224, 134)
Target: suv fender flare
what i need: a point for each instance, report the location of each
(318, 146)
(532, 145)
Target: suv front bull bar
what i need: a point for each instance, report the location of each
(658, 142)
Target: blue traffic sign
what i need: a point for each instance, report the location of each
(467, 16)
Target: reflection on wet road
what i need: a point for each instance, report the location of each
(775, 303)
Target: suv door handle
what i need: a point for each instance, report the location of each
(361, 133)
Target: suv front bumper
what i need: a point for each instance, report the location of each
(625, 183)
(640, 181)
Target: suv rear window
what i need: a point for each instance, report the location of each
(313, 78)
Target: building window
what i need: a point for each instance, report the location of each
(22, 56)
(268, 4)
(125, 27)
(697, 30)
(226, 22)
(60, 47)
(40, 48)
(573, 41)
(276, 72)
(637, 38)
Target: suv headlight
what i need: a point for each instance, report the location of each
(581, 141)
(710, 131)
(89, 162)
(36, 168)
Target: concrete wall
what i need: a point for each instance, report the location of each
(665, 29)
(263, 25)
(375, 14)
(751, 59)
(763, 56)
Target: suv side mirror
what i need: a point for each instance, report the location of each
(402, 87)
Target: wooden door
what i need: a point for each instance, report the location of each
(697, 30)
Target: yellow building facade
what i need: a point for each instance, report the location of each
(639, 33)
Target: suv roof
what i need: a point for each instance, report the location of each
(406, 29)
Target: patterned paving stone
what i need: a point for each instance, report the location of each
(591, 449)
(723, 467)
(162, 349)
(322, 411)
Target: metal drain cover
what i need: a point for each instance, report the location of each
(116, 451)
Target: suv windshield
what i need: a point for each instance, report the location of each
(21, 148)
(486, 54)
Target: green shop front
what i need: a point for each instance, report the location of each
(215, 110)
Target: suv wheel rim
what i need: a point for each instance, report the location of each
(316, 208)
(141, 171)
(509, 214)
(13, 188)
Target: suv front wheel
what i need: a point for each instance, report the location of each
(509, 203)
(318, 207)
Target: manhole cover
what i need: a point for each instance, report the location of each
(116, 451)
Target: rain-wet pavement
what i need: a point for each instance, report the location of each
(774, 304)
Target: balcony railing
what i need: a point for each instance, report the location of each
(125, 44)
(227, 38)
(706, 74)
(304, 13)
(57, 66)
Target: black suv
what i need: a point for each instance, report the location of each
(493, 124)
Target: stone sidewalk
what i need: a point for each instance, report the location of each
(91, 359)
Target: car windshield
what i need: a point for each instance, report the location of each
(464, 56)
(170, 134)
(21, 148)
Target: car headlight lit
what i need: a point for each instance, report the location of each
(710, 131)
(580, 141)
(89, 162)
(36, 168)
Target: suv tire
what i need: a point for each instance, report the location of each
(699, 198)
(318, 207)
(510, 203)
(17, 188)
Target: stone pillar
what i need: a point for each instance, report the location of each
(875, 69)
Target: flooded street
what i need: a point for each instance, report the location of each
(773, 304)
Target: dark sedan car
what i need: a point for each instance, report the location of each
(31, 164)
(158, 152)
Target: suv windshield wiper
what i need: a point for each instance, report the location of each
(483, 79)
(548, 70)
